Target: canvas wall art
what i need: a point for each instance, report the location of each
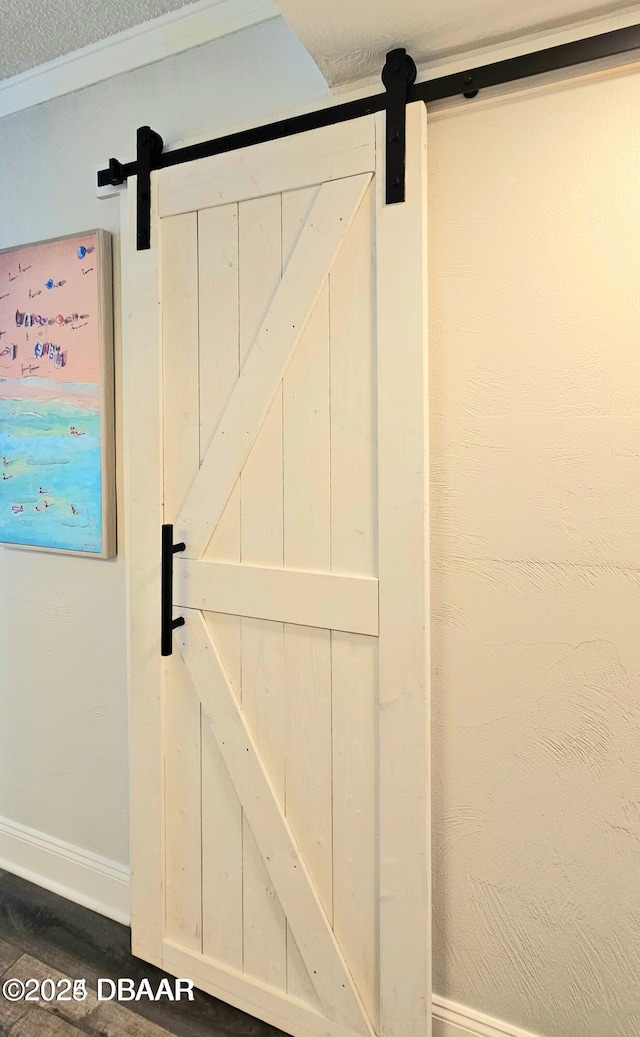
(57, 488)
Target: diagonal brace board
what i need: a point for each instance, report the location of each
(285, 865)
(317, 247)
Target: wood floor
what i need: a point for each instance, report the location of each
(44, 936)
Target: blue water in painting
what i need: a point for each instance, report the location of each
(52, 475)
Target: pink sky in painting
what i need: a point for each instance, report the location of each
(24, 273)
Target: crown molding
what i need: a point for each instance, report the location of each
(141, 45)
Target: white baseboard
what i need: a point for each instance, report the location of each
(83, 877)
(451, 1019)
(103, 886)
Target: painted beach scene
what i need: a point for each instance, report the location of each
(52, 366)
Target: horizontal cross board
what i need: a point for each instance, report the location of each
(328, 600)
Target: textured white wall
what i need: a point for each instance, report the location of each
(535, 347)
(63, 708)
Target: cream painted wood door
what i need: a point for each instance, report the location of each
(275, 413)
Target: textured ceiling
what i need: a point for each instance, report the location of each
(349, 38)
(35, 31)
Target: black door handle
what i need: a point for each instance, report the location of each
(167, 623)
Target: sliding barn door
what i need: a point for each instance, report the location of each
(275, 381)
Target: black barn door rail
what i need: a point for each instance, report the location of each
(467, 84)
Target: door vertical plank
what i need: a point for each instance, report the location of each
(142, 402)
(219, 356)
(353, 394)
(307, 542)
(261, 542)
(262, 700)
(219, 353)
(182, 765)
(221, 852)
(307, 451)
(353, 549)
(403, 544)
(296, 206)
(354, 676)
(179, 280)
(181, 712)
